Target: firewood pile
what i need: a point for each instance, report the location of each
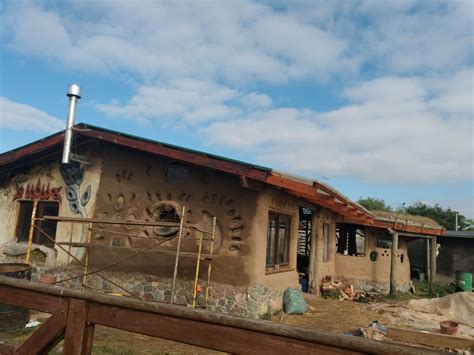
(337, 290)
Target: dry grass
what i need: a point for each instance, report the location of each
(406, 218)
(333, 316)
(114, 341)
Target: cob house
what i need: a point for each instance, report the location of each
(124, 206)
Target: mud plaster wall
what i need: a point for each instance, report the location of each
(273, 200)
(134, 186)
(47, 173)
(361, 268)
(324, 268)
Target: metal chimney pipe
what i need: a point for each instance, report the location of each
(74, 94)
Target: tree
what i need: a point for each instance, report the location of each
(374, 204)
(445, 217)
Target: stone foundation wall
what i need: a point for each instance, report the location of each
(373, 286)
(250, 302)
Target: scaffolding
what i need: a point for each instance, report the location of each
(94, 225)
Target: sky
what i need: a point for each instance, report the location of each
(374, 98)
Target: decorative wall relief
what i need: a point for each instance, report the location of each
(122, 206)
(38, 192)
(73, 176)
(235, 224)
(206, 225)
(282, 203)
(123, 175)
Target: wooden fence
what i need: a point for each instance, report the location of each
(75, 314)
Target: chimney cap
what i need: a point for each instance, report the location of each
(74, 90)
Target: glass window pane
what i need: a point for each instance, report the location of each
(24, 220)
(281, 242)
(278, 239)
(271, 231)
(48, 227)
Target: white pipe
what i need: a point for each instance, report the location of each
(74, 93)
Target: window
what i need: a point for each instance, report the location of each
(278, 238)
(350, 240)
(384, 242)
(325, 242)
(168, 214)
(166, 211)
(24, 222)
(176, 174)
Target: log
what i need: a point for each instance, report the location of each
(431, 339)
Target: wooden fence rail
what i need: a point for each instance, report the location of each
(75, 313)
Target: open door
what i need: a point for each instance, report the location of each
(304, 246)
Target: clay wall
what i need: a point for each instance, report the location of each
(378, 271)
(325, 267)
(274, 200)
(44, 176)
(139, 186)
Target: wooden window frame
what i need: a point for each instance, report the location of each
(274, 265)
(38, 237)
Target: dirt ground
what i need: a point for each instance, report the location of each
(333, 315)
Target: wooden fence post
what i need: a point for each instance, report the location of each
(76, 328)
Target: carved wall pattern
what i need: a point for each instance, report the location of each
(38, 192)
(131, 198)
(73, 176)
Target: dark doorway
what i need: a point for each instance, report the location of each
(304, 246)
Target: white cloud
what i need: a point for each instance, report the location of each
(192, 101)
(21, 117)
(436, 36)
(189, 100)
(234, 41)
(394, 131)
(241, 41)
(255, 100)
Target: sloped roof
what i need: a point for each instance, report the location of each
(406, 218)
(312, 191)
(459, 234)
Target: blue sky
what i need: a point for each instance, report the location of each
(374, 98)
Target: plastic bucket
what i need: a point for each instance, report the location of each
(463, 281)
(13, 318)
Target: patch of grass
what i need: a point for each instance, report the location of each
(268, 314)
(422, 289)
(106, 349)
(22, 333)
(400, 297)
(336, 294)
